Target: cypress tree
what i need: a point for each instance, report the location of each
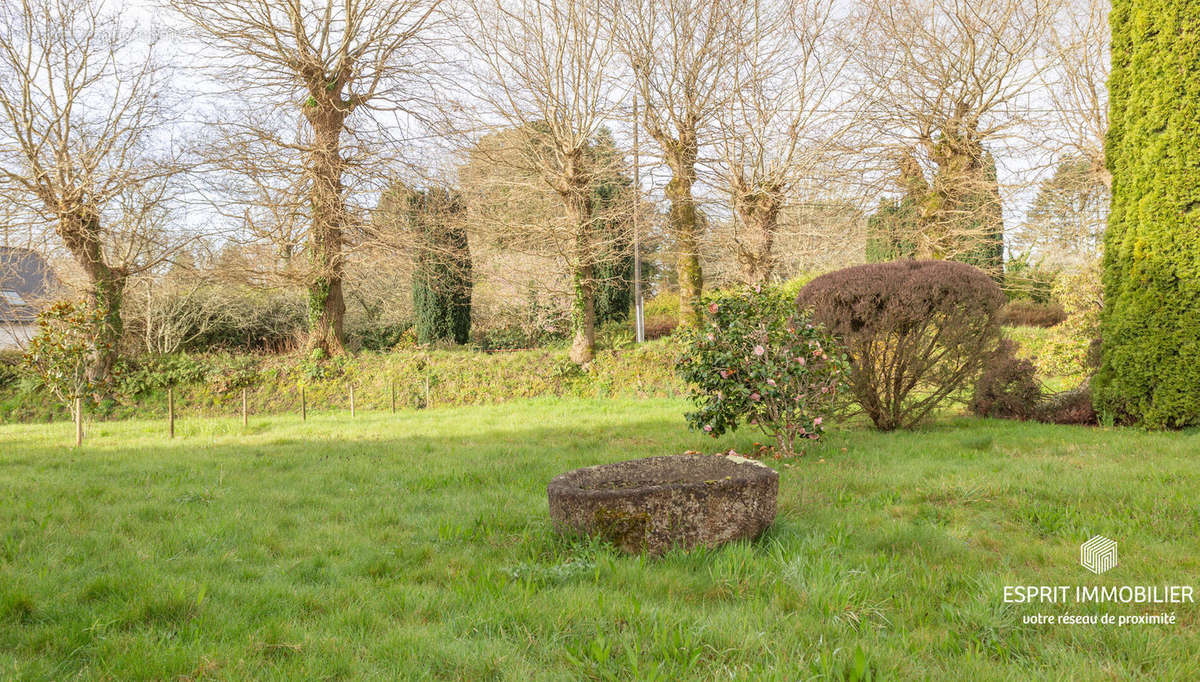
(1150, 326)
(441, 281)
(891, 231)
(614, 271)
(983, 234)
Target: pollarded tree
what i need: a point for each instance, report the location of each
(516, 221)
(1150, 353)
(952, 81)
(779, 132)
(683, 54)
(545, 67)
(84, 147)
(332, 65)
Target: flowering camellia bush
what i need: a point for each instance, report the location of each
(754, 359)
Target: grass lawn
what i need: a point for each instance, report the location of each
(418, 546)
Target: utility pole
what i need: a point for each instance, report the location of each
(639, 320)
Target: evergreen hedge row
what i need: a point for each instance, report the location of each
(1150, 371)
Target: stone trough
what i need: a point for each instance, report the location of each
(650, 505)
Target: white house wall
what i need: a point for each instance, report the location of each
(15, 336)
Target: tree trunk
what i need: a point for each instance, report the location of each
(583, 315)
(760, 219)
(326, 304)
(583, 280)
(80, 230)
(684, 226)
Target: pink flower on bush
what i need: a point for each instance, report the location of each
(712, 337)
(818, 420)
(713, 308)
(724, 373)
(759, 350)
(708, 428)
(770, 382)
(755, 397)
(801, 361)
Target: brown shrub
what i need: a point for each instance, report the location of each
(917, 332)
(1069, 407)
(1022, 313)
(1007, 388)
(658, 327)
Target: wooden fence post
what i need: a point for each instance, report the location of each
(351, 400)
(171, 412)
(245, 416)
(78, 422)
(303, 405)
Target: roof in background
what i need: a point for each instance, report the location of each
(26, 282)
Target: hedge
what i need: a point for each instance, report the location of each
(1150, 326)
(210, 385)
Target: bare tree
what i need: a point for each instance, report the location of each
(683, 54)
(1077, 82)
(344, 66)
(953, 78)
(84, 146)
(549, 65)
(780, 130)
(1065, 222)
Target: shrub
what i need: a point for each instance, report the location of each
(377, 335)
(206, 317)
(10, 367)
(227, 373)
(60, 356)
(1068, 407)
(917, 332)
(146, 374)
(1007, 387)
(1150, 371)
(1026, 282)
(658, 327)
(531, 325)
(1070, 348)
(1026, 313)
(753, 359)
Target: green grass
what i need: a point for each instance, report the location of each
(418, 546)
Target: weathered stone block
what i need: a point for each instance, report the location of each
(649, 505)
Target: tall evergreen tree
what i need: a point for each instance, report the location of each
(441, 281)
(891, 230)
(614, 273)
(1150, 325)
(1065, 222)
(980, 212)
(956, 216)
